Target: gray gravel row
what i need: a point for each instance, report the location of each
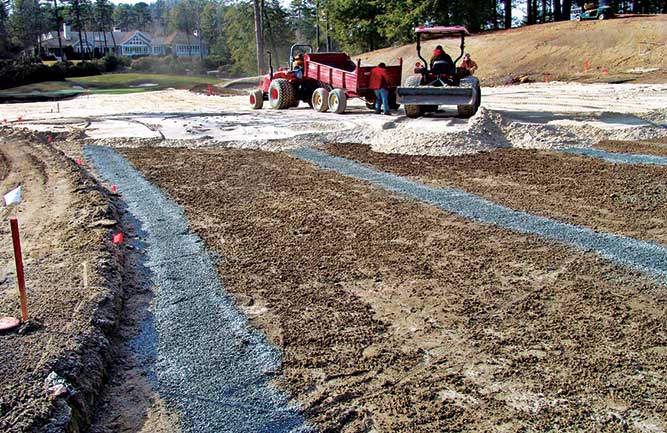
(207, 363)
(619, 158)
(644, 256)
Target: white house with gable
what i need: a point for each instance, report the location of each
(131, 44)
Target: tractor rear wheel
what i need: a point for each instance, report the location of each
(281, 94)
(337, 101)
(413, 111)
(257, 99)
(320, 100)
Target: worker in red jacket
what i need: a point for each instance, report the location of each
(379, 82)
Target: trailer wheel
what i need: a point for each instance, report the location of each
(281, 94)
(413, 111)
(337, 101)
(320, 100)
(257, 99)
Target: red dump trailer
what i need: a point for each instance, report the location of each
(325, 81)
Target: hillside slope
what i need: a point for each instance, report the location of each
(560, 49)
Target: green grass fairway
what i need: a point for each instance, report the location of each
(110, 84)
(114, 81)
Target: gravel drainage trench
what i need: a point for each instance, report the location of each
(619, 158)
(204, 358)
(644, 256)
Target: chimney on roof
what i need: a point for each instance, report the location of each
(67, 32)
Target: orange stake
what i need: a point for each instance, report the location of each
(16, 238)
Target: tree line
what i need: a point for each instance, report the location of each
(236, 30)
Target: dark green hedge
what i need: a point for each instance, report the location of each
(14, 73)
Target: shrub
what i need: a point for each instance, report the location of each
(168, 65)
(21, 72)
(84, 69)
(110, 62)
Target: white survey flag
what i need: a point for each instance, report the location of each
(13, 196)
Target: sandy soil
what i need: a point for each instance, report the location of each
(630, 200)
(394, 316)
(64, 221)
(648, 147)
(539, 116)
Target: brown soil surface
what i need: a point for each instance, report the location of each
(618, 45)
(64, 221)
(624, 199)
(395, 316)
(647, 147)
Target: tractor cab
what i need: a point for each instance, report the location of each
(440, 83)
(440, 71)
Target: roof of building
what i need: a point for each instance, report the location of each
(180, 38)
(50, 39)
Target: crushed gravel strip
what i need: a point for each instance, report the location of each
(644, 256)
(203, 356)
(620, 158)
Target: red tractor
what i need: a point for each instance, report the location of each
(440, 83)
(324, 80)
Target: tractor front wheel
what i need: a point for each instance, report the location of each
(257, 99)
(281, 94)
(320, 100)
(413, 111)
(337, 101)
(467, 111)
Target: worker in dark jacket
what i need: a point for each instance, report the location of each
(441, 60)
(379, 83)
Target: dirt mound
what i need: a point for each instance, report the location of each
(624, 49)
(65, 218)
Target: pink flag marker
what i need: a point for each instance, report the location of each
(49, 139)
(113, 188)
(117, 238)
(78, 161)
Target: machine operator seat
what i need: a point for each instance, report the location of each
(443, 67)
